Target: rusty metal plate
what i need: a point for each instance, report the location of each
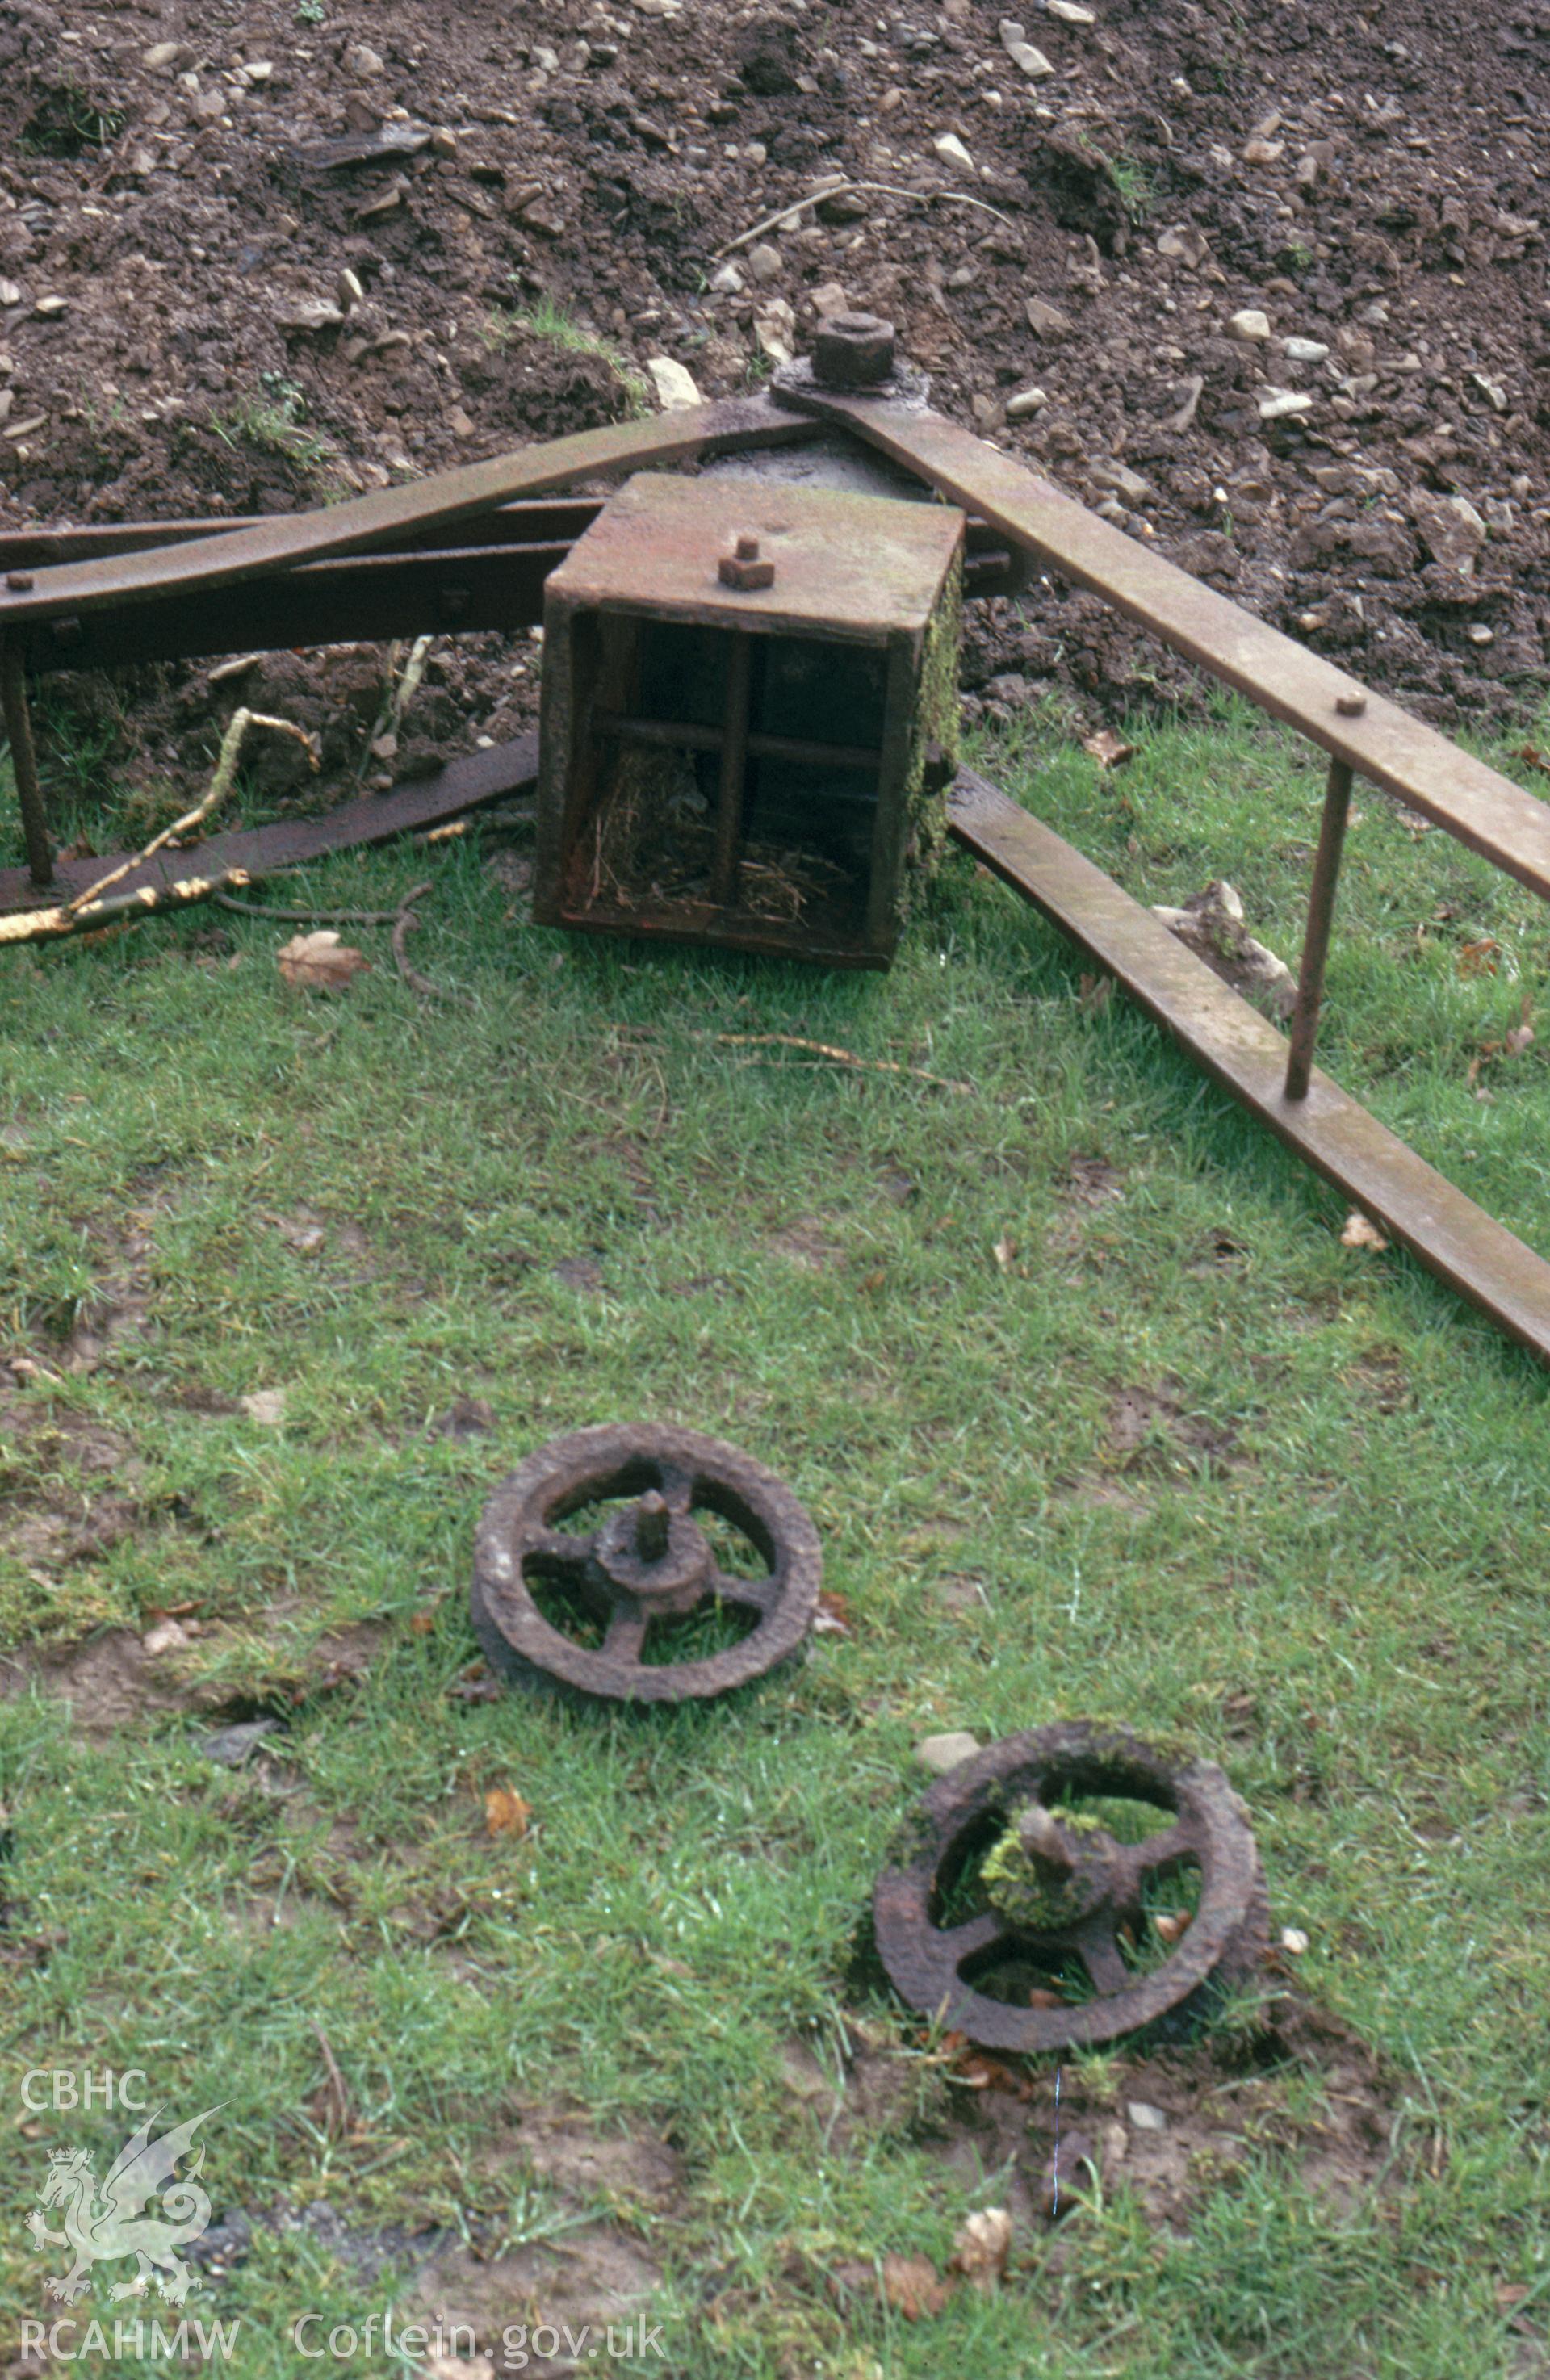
(1416, 1205)
(1082, 1894)
(859, 567)
(1371, 735)
(646, 1579)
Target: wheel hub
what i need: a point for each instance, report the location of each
(1052, 1891)
(660, 1557)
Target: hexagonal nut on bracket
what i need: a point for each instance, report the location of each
(743, 569)
(852, 351)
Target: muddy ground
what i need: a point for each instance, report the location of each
(1270, 291)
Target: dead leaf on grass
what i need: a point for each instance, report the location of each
(1004, 1251)
(833, 1616)
(982, 2247)
(1357, 1233)
(913, 2287)
(506, 1812)
(1110, 751)
(266, 1406)
(320, 960)
(1479, 958)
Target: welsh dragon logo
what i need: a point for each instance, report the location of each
(102, 2223)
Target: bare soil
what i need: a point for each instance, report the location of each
(298, 253)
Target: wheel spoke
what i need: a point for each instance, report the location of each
(1100, 1953)
(558, 1549)
(677, 1489)
(961, 1942)
(1174, 1844)
(626, 1634)
(758, 1595)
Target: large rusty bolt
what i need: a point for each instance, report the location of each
(653, 1527)
(852, 351)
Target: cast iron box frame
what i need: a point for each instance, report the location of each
(648, 649)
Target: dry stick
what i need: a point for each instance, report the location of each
(338, 2096)
(219, 786)
(840, 1057)
(402, 924)
(307, 917)
(89, 908)
(42, 924)
(840, 189)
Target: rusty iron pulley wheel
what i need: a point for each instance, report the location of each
(1067, 1893)
(598, 1611)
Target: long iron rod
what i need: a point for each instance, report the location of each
(24, 764)
(1316, 942)
(692, 734)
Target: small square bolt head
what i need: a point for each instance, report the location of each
(743, 569)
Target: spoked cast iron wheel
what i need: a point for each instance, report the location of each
(619, 1594)
(1093, 1888)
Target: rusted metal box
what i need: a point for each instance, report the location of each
(750, 704)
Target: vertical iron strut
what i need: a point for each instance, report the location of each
(1316, 942)
(24, 762)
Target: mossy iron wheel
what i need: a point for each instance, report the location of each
(615, 1591)
(1085, 1891)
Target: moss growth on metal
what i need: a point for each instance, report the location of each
(936, 725)
(1029, 1891)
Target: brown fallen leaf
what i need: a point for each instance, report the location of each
(833, 1616)
(1479, 958)
(982, 2247)
(913, 2287)
(320, 962)
(1110, 751)
(1004, 1251)
(1358, 1233)
(505, 1812)
(1170, 1925)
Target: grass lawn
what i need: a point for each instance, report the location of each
(1096, 1415)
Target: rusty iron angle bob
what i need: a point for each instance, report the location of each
(1363, 734)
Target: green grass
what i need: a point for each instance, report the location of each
(545, 318)
(1339, 1590)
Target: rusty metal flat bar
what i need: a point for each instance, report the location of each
(1369, 734)
(466, 783)
(360, 597)
(1448, 1233)
(291, 539)
(533, 521)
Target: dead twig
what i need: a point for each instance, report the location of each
(839, 1057)
(89, 909)
(307, 917)
(219, 786)
(335, 2099)
(92, 910)
(402, 926)
(840, 189)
